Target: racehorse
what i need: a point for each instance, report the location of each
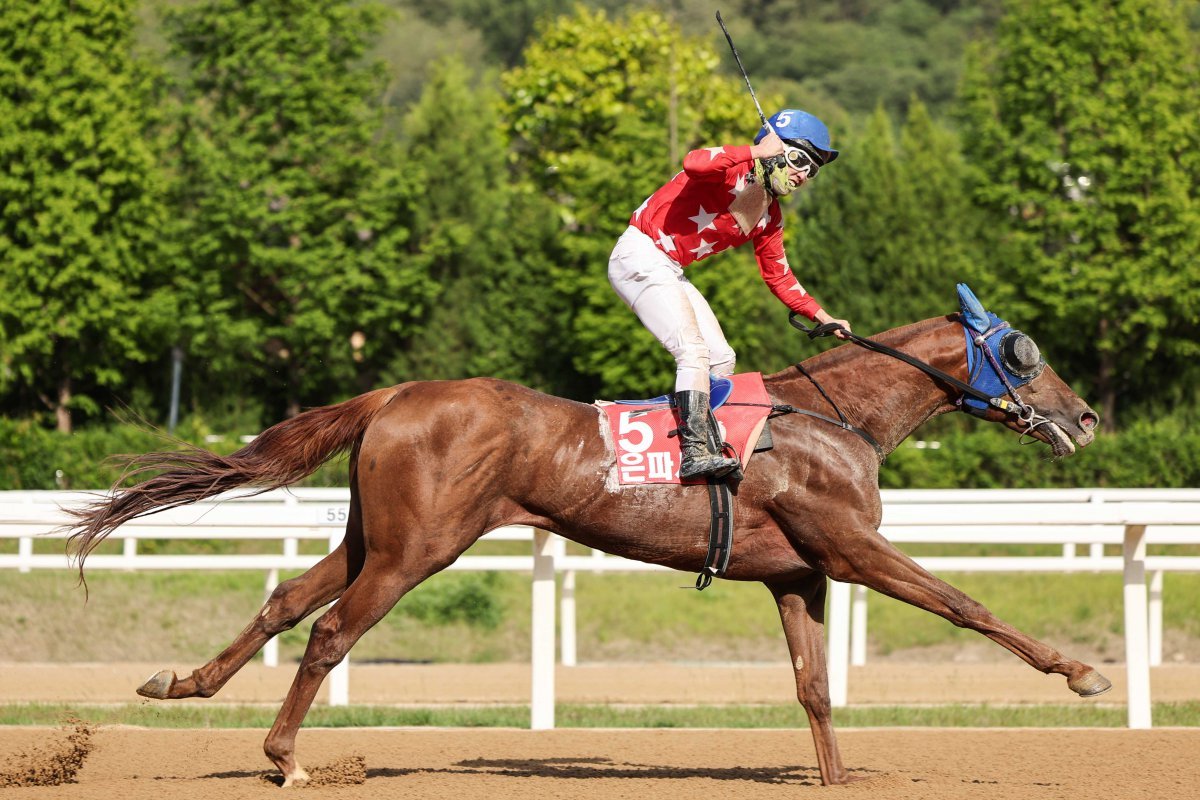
(434, 465)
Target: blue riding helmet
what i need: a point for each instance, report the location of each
(794, 124)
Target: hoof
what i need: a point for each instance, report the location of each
(158, 687)
(1090, 684)
(297, 778)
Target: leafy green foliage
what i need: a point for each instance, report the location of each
(459, 598)
(505, 27)
(1083, 122)
(295, 222)
(306, 223)
(852, 56)
(866, 54)
(82, 201)
(462, 237)
(1145, 454)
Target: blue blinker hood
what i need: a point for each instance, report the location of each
(985, 344)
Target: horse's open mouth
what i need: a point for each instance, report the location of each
(1060, 443)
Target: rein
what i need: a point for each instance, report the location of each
(1024, 412)
(783, 409)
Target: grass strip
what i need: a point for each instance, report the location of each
(593, 716)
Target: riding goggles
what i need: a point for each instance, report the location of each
(801, 159)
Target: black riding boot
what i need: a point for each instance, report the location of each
(697, 441)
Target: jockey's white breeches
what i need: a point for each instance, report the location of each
(657, 291)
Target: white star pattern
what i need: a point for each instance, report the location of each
(701, 196)
(703, 220)
(739, 187)
(641, 208)
(764, 220)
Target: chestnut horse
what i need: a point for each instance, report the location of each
(434, 465)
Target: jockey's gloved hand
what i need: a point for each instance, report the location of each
(772, 174)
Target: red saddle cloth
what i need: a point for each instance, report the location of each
(646, 454)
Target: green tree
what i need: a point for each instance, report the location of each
(81, 206)
(505, 27)
(890, 228)
(1083, 120)
(866, 53)
(295, 217)
(486, 317)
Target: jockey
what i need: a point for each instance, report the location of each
(725, 197)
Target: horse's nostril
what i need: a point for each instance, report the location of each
(1089, 420)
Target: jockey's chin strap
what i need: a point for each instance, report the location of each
(1024, 412)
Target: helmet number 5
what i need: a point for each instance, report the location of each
(783, 120)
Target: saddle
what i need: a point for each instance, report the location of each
(646, 451)
(719, 390)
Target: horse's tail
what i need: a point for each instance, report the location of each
(282, 454)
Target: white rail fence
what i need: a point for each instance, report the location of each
(1072, 519)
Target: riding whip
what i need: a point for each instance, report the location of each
(738, 59)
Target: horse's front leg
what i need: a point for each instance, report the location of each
(802, 612)
(865, 557)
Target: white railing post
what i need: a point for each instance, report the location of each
(339, 676)
(339, 683)
(1137, 648)
(24, 553)
(858, 627)
(129, 546)
(567, 627)
(270, 650)
(541, 706)
(838, 657)
(1156, 618)
(1096, 549)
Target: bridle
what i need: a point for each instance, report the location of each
(976, 396)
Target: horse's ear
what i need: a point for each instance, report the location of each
(972, 310)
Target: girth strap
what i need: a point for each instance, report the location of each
(720, 508)
(720, 533)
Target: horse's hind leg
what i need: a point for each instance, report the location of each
(802, 612)
(380, 585)
(290, 602)
(871, 560)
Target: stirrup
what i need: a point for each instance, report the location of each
(710, 466)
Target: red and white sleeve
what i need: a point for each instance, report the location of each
(774, 267)
(710, 163)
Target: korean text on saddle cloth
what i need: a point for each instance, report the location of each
(644, 452)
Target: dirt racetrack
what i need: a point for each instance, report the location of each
(122, 763)
(711, 684)
(496, 764)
